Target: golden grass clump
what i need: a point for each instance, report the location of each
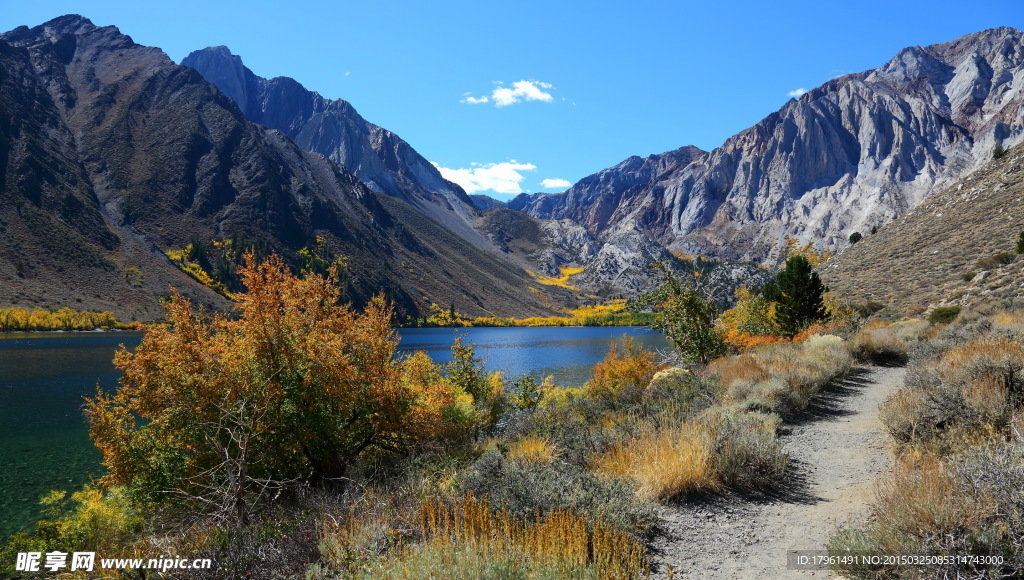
(666, 463)
(533, 449)
(467, 539)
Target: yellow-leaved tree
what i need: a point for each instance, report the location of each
(222, 412)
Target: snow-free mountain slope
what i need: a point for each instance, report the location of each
(854, 153)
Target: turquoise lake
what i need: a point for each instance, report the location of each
(44, 443)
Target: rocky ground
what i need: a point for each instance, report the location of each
(838, 451)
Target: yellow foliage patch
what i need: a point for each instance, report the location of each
(562, 281)
(194, 270)
(62, 319)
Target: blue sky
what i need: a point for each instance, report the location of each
(528, 96)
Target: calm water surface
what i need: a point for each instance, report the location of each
(44, 443)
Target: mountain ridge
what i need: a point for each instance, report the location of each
(332, 127)
(117, 158)
(858, 151)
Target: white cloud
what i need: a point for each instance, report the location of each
(348, 72)
(555, 184)
(520, 91)
(797, 92)
(497, 177)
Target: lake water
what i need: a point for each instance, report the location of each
(44, 443)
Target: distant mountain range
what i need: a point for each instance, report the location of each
(122, 173)
(854, 153)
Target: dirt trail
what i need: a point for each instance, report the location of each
(838, 451)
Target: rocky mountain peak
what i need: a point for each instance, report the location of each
(333, 128)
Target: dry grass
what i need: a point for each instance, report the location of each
(925, 498)
(956, 488)
(803, 368)
(533, 449)
(666, 463)
(880, 345)
(468, 539)
(921, 508)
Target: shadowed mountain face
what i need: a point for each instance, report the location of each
(111, 156)
(333, 128)
(856, 152)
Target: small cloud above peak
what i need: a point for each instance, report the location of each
(555, 183)
(795, 93)
(520, 91)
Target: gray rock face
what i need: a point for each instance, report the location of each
(855, 152)
(333, 128)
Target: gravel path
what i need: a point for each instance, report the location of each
(838, 451)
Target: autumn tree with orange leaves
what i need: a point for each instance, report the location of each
(222, 412)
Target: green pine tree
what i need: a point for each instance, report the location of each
(799, 293)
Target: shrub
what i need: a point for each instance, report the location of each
(868, 308)
(216, 411)
(1020, 243)
(526, 488)
(967, 393)
(746, 453)
(968, 276)
(751, 322)
(943, 314)
(803, 368)
(855, 237)
(970, 506)
(624, 374)
(879, 346)
(89, 520)
(905, 415)
(685, 317)
(999, 152)
(677, 393)
(1000, 259)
